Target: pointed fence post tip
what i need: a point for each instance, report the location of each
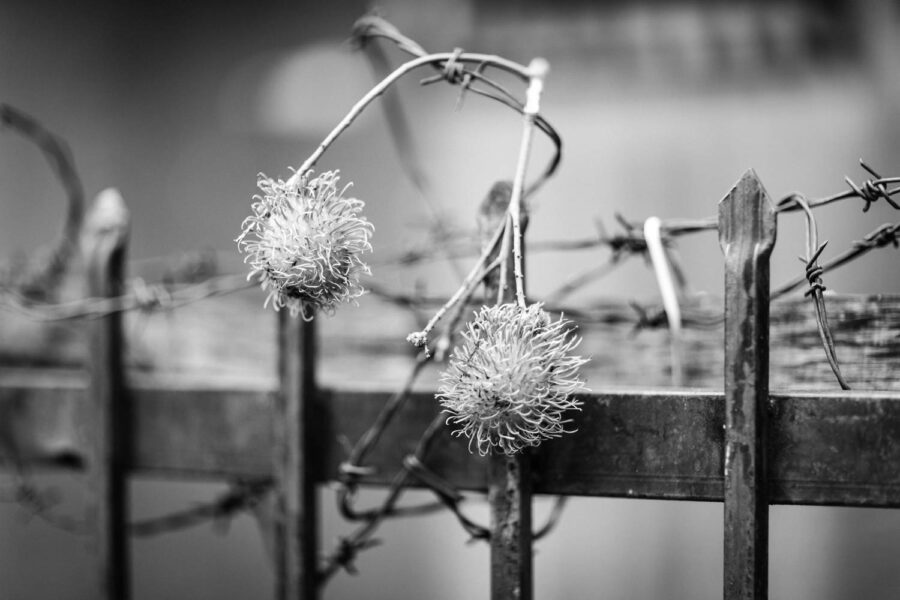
(746, 235)
(107, 410)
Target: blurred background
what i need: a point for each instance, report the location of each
(662, 105)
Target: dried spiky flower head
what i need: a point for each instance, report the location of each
(305, 241)
(508, 385)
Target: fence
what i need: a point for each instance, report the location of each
(746, 447)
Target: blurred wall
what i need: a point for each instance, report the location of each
(662, 106)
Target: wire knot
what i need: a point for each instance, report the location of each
(647, 319)
(149, 298)
(454, 70)
(872, 190)
(814, 272)
(347, 550)
(884, 235)
(349, 473)
(630, 242)
(813, 276)
(455, 73)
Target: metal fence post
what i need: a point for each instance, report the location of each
(107, 419)
(746, 235)
(296, 512)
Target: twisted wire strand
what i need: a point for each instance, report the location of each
(813, 273)
(241, 495)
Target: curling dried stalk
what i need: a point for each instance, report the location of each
(509, 384)
(304, 242)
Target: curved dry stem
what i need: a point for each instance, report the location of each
(373, 26)
(538, 70)
(496, 61)
(461, 296)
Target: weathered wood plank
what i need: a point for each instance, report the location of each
(747, 236)
(825, 448)
(227, 341)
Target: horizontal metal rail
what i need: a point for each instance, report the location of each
(824, 448)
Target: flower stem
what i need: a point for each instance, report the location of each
(537, 71)
(506, 243)
(462, 294)
(384, 84)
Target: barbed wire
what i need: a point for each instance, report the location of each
(816, 289)
(242, 495)
(631, 242)
(882, 236)
(353, 470)
(141, 297)
(373, 26)
(46, 273)
(160, 296)
(19, 296)
(628, 242)
(41, 503)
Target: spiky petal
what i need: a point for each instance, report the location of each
(513, 378)
(304, 243)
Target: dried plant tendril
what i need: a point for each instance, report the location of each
(507, 386)
(304, 243)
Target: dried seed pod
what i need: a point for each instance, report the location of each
(508, 385)
(305, 241)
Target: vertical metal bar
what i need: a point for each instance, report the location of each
(509, 477)
(296, 520)
(107, 419)
(509, 491)
(746, 235)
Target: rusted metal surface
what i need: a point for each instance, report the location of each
(293, 421)
(509, 494)
(825, 448)
(747, 236)
(106, 423)
(834, 449)
(659, 444)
